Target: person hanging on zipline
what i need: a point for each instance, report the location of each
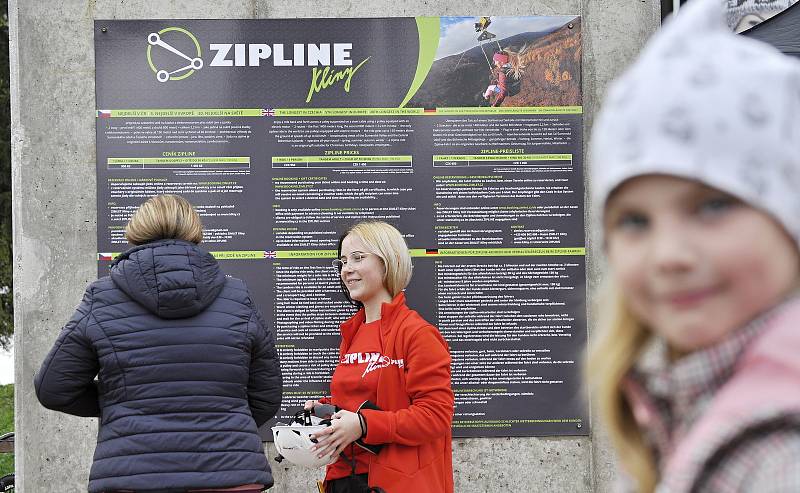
(498, 80)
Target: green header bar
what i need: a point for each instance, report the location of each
(306, 254)
(478, 110)
(341, 159)
(504, 157)
(508, 423)
(283, 112)
(415, 252)
(179, 113)
(347, 111)
(239, 255)
(177, 160)
(229, 255)
(511, 110)
(450, 252)
(497, 252)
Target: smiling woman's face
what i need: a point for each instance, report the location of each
(694, 263)
(363, 279)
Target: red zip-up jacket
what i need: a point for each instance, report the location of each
(416, 402)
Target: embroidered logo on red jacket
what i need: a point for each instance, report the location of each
(374, 361)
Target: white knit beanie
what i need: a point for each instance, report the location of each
(705, 104)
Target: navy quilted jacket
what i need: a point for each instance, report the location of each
(186, 372)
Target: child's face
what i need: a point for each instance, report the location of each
(695, 263)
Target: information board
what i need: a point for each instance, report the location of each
(465, 133)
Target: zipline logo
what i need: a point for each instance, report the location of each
(330, 63)
(154, 40)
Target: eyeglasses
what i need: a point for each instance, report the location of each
(354, 258)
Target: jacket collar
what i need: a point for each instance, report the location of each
(389, 312)
(667, 398)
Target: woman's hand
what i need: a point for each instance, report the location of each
(309, 405)
(317, 408)
(345, 429)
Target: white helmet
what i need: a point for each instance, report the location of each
(293, 442)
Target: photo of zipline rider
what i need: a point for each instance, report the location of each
(532, 62)
(506, 69)
(505, 78)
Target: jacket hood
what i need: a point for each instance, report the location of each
(171, 278)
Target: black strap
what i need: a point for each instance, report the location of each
(352, 461)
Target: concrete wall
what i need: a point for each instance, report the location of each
(52, 85)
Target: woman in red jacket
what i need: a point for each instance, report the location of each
(392, 383)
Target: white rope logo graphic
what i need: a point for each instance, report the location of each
(195, 63)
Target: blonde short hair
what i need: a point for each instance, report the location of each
(385, 241)
(164, 217)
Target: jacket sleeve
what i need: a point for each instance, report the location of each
(428, 385)
(65, 382)
(265, 384)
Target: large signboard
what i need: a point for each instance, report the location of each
(465, 133)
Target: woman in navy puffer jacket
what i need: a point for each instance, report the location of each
(186, 368)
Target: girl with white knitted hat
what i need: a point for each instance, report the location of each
(696, 178)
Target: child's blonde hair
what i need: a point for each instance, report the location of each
(618, 344)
